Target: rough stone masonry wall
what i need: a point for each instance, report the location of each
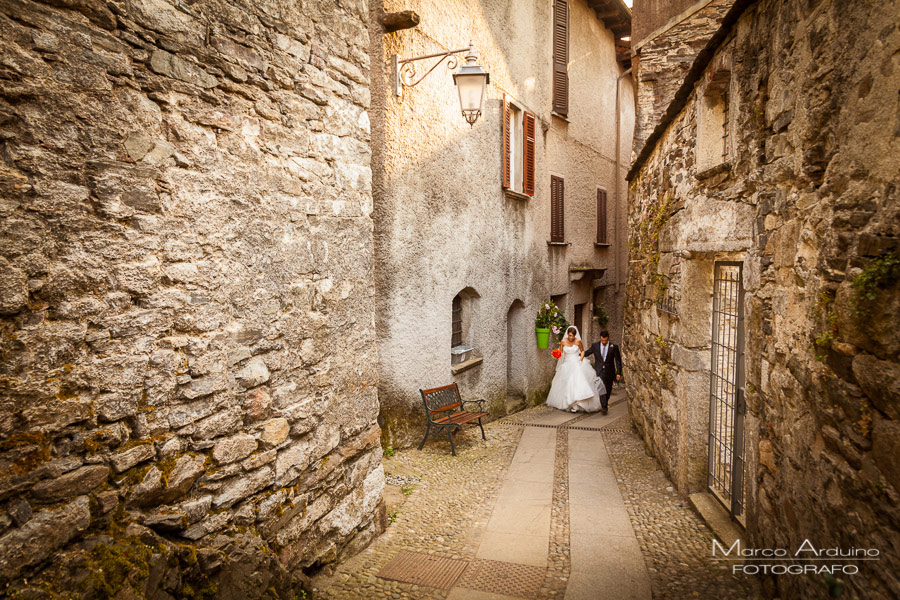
(185, 272)
(664, 60)
(810, 204)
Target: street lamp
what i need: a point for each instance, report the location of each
(470, 80)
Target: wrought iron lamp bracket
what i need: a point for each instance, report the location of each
(405, 68)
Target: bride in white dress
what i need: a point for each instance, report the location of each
(575, 386)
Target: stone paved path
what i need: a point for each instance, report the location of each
(541, 511)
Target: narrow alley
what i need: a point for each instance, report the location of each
(552, 505)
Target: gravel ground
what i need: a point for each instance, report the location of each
(448, 501)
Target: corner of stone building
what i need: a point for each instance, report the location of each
(186, 229)
(818, 229)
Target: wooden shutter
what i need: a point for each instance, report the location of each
(528, 154)
(601, 216)
(561, 57)
(506, 132)
(557, 209)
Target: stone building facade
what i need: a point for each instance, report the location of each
(188, 341)
(448, 233)
(667, 37)
(764, 283)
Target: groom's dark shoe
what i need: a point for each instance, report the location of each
(603, 411)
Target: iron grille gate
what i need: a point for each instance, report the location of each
(726, 391)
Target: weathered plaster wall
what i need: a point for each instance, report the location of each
(185, 260)
(809, 204)
(443, 222)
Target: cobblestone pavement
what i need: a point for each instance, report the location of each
(675, 542)
(443, 515)
(450, 501)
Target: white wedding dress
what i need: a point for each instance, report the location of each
(575, 385)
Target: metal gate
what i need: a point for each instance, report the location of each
(726, 390)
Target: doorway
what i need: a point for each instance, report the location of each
(725, 472)
(516, 343)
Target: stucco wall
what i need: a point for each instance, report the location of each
(443, 222)
(808, 204)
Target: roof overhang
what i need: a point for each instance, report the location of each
(616, 15)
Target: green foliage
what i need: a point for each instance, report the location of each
(648, 241)
(407, 489)
(878, 274)
(389, 451)
(393, 515)
(600, 315)
(549, 316)
(826, 325)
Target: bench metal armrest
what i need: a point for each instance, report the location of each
(480, 404)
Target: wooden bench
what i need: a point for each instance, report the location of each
(444, 408)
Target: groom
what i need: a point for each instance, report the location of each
(607, 364)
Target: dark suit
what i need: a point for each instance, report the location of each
(606, 369)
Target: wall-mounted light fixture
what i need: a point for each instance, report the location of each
(471, 80)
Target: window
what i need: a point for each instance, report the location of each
(713, 127)
(463, 335)
(601, 217)
(561, 57)
(456, 337)
(518, 148)
(557, 209)
(560, 301)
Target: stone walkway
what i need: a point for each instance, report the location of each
(537, 511)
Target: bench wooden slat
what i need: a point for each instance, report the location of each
(461, 417)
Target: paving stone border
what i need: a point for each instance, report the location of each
(559, 556)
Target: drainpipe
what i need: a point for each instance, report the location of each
(618, 242)
(618, 200)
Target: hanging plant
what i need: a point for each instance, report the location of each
(549, 316)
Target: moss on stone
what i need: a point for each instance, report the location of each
(111, 566)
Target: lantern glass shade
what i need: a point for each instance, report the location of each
(471, 81)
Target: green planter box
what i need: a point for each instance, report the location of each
(543, 337)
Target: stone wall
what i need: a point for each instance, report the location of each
(185, 263)
(661, 61)
(650, 15)
(444, 224)
(808, 203)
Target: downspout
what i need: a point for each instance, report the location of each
(618, 200)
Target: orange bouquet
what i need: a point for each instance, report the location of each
(556, 353)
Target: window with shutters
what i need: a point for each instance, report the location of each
(601, 218)
(557, 209)
(561, 57)
(518, 148)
